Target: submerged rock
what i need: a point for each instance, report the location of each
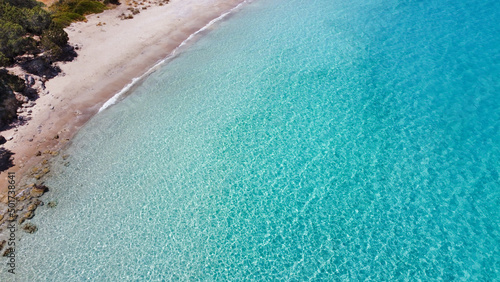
(30, 228)
(38, 190)
(21, 197)
(8, 251)
(13, 217)
(38, 202)
(27, 215)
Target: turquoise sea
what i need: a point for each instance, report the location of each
(320, 140)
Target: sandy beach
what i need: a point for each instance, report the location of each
(111, 53)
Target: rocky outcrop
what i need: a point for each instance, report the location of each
(5, 159)
(8, 251)
(41, 67)
(38, 190)
(29, 228)
(25, 216)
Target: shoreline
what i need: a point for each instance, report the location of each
(137, 80)
(99, 77)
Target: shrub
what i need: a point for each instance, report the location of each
(67, 11)
(8, 101)
(4, 61)
(12, 40)
(36, 20)
(13, 82)
(24, 3)
(56, 35)
(12, 14)
(64, 19)
(87, 7)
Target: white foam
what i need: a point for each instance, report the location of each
(124, 90)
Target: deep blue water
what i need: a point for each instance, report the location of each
(299, 140)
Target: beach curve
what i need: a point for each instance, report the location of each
(113, 55)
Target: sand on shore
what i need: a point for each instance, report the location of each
(111, 53)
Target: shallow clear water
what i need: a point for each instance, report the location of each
(320, 140)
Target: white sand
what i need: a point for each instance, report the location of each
(111, 55)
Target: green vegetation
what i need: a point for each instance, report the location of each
(26, 28)
(66, 18)
(67, 11)
(8, 101)
(32, 35)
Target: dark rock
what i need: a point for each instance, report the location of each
(21, 98)
(30, 228)
(30, 104)
(8, 251)
(28, 215)
(30, 81)
(32, 207)
(41, 67)
(68, 54)
(6, 159)
(38, 190)
(13, 217)
(2, 244)
(38, 202)
(2, 140)
(31, 93)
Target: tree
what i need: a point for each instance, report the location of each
(37, 20)
(12, 40)
(23, 3)
(52, 41)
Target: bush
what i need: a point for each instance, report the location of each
(13, 82)
(12, 14)
(19, 21)
(56, 35)
(4, 61)
(64, 19)
(24, 3)
(36, 20)
(12, 40)
(67, 11)
(33, 20)
(8, 101)
(87, 7)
